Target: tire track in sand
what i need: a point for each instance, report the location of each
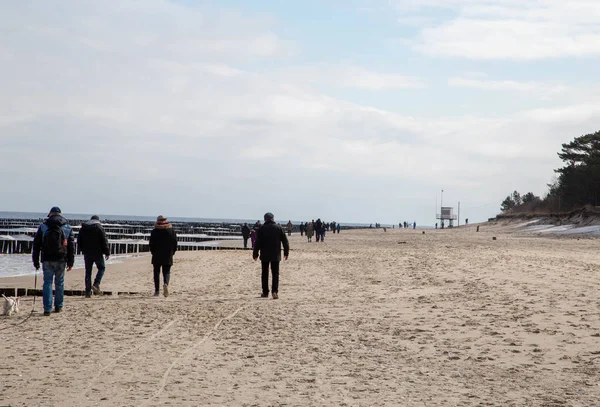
(191, 348)
(121, 356)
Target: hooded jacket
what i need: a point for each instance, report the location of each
(92, 238)
(269, 239)
(69, 257)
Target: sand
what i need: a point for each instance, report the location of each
(449, 318)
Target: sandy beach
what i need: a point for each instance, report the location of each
(368, 318)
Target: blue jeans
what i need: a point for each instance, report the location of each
(54, 271)
(90, 259)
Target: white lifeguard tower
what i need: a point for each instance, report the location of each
(447, 215)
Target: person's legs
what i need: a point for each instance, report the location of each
(99, 260)
(166, 277)
(245, 243)
(156, 278)
(89, 264)
(275, 272)
(48, 271)
(265, 278)
(59, 284)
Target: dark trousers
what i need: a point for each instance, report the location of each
(245, 243)
(90, 259)
(166, 269)
(265, 276)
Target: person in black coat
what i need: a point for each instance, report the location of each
(269, 239)
(163, 245)
(93, 243)
(245, 234)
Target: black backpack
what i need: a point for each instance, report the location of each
(54, 241)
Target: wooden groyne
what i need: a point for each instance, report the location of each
(124, 237)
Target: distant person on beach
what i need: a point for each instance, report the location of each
(414, 225)
(339, 227)
(268, 244)
(163, 245)
(93, 244)
(310, 230)
(253, 233)
(245, 234)
(318, 227)
(467, 222)
(302, 228)
(436, 225)
(54, 239)
(289, 227)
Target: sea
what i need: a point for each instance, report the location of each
(14, 265)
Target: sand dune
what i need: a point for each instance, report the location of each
(449, 318)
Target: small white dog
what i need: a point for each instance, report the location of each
(11, 304)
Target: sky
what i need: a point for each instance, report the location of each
(347, 110)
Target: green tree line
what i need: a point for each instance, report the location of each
(577, 183)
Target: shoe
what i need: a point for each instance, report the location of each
(275, 296)
(264, 296)
(166, 290)
(46, 313)
(96, 290)
(88, 295)
(57, 309)
(156, 293)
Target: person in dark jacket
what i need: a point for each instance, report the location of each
(318, 229)
(245, 234)
(93, 244)
(269, 239)
(54, 240)
(302, 228)
(163, 245)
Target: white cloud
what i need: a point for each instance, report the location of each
(351, 76)
(507, 29)
(542, 89)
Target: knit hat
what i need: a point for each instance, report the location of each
(95, 217)
(161, 218)
(269, 217)
(55, 209)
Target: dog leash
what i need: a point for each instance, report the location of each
(32, 307)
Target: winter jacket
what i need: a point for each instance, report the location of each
(245, 232)
(310, 229)
(92, 238)
(69, 256)
(269, 239)
(163, 244)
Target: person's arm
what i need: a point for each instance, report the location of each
(151, 242)
(104, 243)
(256, 246)
(286, 245)
(70, 250)
(35, 252)
(174, 241)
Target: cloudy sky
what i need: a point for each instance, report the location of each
(348, 110)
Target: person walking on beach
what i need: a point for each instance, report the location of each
(54, 240)
(289, 227)
(318, 227)
(93, 244)
(163, 245)
(339, 227)
(245, 234)
(310, 230)
(414, 225)
(302, 228)
(268, 243)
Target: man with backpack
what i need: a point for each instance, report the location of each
(54, 239)
(93, 244)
